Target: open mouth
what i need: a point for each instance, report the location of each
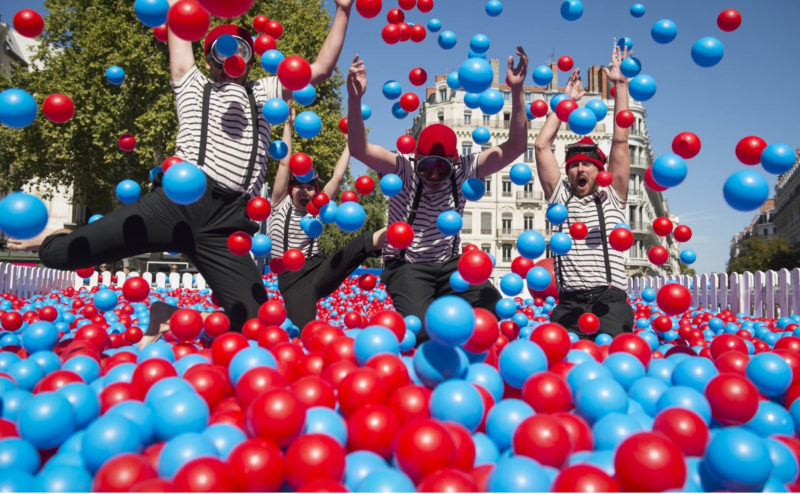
(582, 182)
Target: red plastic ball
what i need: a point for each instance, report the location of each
(475, 266)
(521, 265)
(275, 29)
(395, 16)
(263, 43)
(658, 255)
(448, 480)
(360, 387)
(662, 226)
(226, 8)
(729, 20)
(135, 289)
(424, 446)
(390, 369)
(369, 8)
(255, 381)
(673, 299)
(604, 179)
(152, 370)
(320, 199)
(733, 399)
(400, 235)
(407, 4)
(410, 402)
(216, 324)
(485, 334)
(313, 457)
(313, 391)
(234, 66)
(584, 478)
(625, 118)
(424, 5)
(553, 339)
(28, 23)
(372, 428)
(300, 164)
(539, 108)
(239, 243)
(686, 145)
(578, 230)
(127, 142)
(543, 438)
(588, 323)
(85, 272)
(685, 428)
(186, 324)
(650, 182)
(621, 239)
(418, 76)
(406, 144)
(260, 23)
(632, 344)
(418, 33)
(258, 209)
(343, 125)
(564, 108)
(117, 393)
(226, 346)
(205, 474)
(547, 392)
(210, 382)
(748, 150)
(122, 472)
(277, 415)
(258, 465)
(188, 20)
(294, 73)
(565, 63)
(272, 313)
(409, 102)
(366, 281)
(364, 185)
(349, 196)
(58, 108)
(390, 33)
(293, 259)
(405, 31)
(580, 434)
(649, 462)
(160, 33)
(682, 233)
(95, 335)
(56, 380)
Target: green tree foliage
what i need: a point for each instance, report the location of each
(760, 254)
(376, 207)
(685, 269)
(85, 37)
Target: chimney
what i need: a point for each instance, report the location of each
(553, 86)
(496, 71)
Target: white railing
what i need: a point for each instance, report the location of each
(157, 280)
(760, 294)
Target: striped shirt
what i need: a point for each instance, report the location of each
(583, 267)
(429, 244)
(297, 237)
(230, 128)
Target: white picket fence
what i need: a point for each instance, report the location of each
(761, 294)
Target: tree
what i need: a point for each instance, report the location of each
(375, 205)
(685, 269)
(761, 254)
(84, 38)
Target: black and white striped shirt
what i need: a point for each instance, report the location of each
(297, 237)
(429, 244)
(230, 128)
(583, 267)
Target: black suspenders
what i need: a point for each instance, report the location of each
(604, 240)
(286, 232)
(201, 157)
(412, 213)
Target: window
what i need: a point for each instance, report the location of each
(466, 222)
(507, 95)
(506, 120)
(528, 222)
(486, 223)
(528, 95)
(486, 119)
(466, 148)
(528, 188)
(548, 228)
(529, 154)
(440, 116)
(632, 217)
(467, 117)
(443, 95)
(487, 181)
(486, 248)
(506, 187)
(506, 223)
(506, 252)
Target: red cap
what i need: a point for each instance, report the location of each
(437, 140)
(231, 29)
(599, 163)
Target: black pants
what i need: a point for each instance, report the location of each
(413, 286)
(156, 224)
(610, 305)
(320, 277)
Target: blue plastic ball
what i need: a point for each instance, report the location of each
(63, 478)
(479, 43)
(17, 108)
(392, 89)
(184, 183)
(560, 243)
(770, 373)
(519, 360)
(182, 449)
(503, 419)
(777, 158)
(646, 391)
(488, 377)
(601, 397)
(105, 300)
(449, 222)
(637, 10)
(94, 218)
(642, 87)
(138, 413)
(685, 397)
(648, 295)
(305, 96)
(324, 420)
(40, 335)
(555, 100)
(612, 429)
(542, 75)
(491, 101)
(771, 418)
(398, 112)
(745, 190)
(434, 25)
(458, 401)
(557, 213)
(435, 362)
(275, 111)
(688, 256)
(18, 455)
(358, 465)
(518, 474)
(452, 81)
(385, 480)
(473, 189)
(669, 170)
(413, 323)
(475, 75)
(737, 459)
(115, 75)
(312, 227)
(450, 320)
(307, 124)
(538, 278)
(707, 51)
(249, 358)
(350, 216)
(261, 245)
(270, 61)
(84, 366)
(511, 284)
(664, 31)
(447, 39)
(457, 282)
(366, 111)
(46, 420)
(179, 413)
(391, 185)
(226, 45)
(531, 244)
(630, 67)
(599, 108)
(84, 401)
(520, 174)
(225, 438)
(582, 121)
(571, 10)
(694, 372)
(481, 135)
(472, 100)
(22, 215)
(374, 340)
(494, 8)
(108, 436)
(128, 191)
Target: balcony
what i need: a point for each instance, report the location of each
(524, 196)
(508, 233)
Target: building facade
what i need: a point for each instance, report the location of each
(787, 204)
(506, 210)
(762, 225)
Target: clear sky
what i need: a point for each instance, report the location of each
(752, 91)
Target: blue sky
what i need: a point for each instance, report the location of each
(750, 92)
